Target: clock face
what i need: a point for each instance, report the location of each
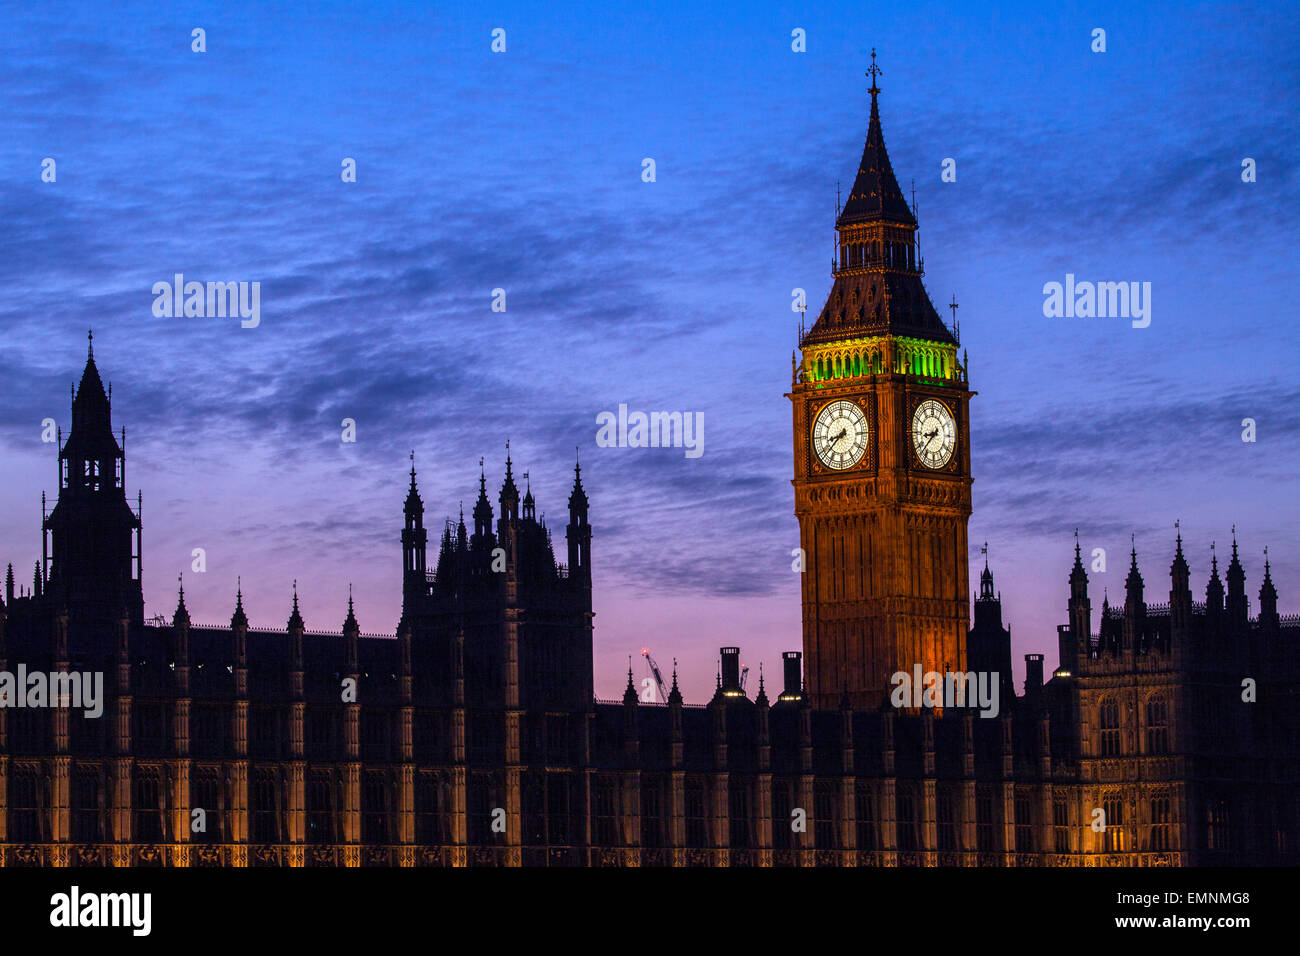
(840, 435)
(934, 433)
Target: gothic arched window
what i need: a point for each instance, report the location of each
(1108, 721)
(1113, 838)
(1157, 725)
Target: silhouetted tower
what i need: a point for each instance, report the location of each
(1135, 608)
(1079, 638)
(1268, 597)
(509, 497)
(415, 540)
(1180, 593)
(579, 531)
(94, 537)
(1213, 595)
(988, 645)
(482, 537)
(1238, 606)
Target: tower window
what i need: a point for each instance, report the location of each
(1113, 838)
(864, 818)
(1024, 824)
(1157, 726)
(1061, 823)
(147, 808)
(1160, 823)
(947, 828)
(1109, 724)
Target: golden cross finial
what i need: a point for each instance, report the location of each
(874, 71)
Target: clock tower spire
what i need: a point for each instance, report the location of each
(882, 460)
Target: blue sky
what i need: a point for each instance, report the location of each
(522, 171)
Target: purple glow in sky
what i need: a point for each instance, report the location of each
(522, 171)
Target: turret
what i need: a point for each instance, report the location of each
(92, 536)
(415, 540)
(530, 506)
(1134, 605)
(1238, 607)
(239, 631)
(1076, 639)
(1268, 598)
(1180, 591)
(1214, 595)
(509, 497)
(351, 636)
(988, 643)
(579, 531)
(295, 628)
(181, 638)
(482, 516)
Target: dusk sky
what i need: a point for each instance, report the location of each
(522, 171)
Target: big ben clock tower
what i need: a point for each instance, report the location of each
(881, 457)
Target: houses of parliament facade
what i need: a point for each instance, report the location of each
(1167, 735)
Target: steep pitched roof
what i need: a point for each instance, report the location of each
(875, 196)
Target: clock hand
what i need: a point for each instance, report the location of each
(842, 432)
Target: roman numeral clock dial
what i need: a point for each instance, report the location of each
(840, 435)
(934, 433)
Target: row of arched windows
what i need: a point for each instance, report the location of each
(909, 359)
(1157, 726)
(863, 255)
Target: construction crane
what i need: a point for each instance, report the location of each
(654, 672)
(744, 672)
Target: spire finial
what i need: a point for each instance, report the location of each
(349, 595)
(985, 551)
(412, 467)
(873, 72)
(90, 346)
